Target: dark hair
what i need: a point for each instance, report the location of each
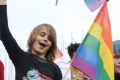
(72, 48)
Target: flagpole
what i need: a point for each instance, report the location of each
(66, 73)
(69, 67)
(64, 77)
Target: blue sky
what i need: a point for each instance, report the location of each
(69, 18)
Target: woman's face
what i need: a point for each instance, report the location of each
(117, 63)
(42, 42)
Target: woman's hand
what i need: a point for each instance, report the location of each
(2, 2)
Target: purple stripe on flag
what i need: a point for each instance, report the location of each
(84, 67)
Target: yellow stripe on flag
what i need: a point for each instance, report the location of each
(105, 54)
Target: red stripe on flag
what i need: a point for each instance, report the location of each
(1, 71)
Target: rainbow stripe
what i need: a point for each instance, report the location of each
(58, 54)
(94, 57)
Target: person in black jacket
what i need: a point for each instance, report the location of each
(37, 62)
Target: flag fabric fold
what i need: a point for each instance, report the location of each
(94, 57)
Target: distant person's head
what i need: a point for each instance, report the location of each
(116, 48)
(72, 48)
(42, 41)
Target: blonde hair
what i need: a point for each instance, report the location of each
(51, 52)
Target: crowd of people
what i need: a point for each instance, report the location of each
(37, 62)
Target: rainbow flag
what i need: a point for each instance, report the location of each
(94, 57)
(76, 74)
(94, 4)
(58, 54)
